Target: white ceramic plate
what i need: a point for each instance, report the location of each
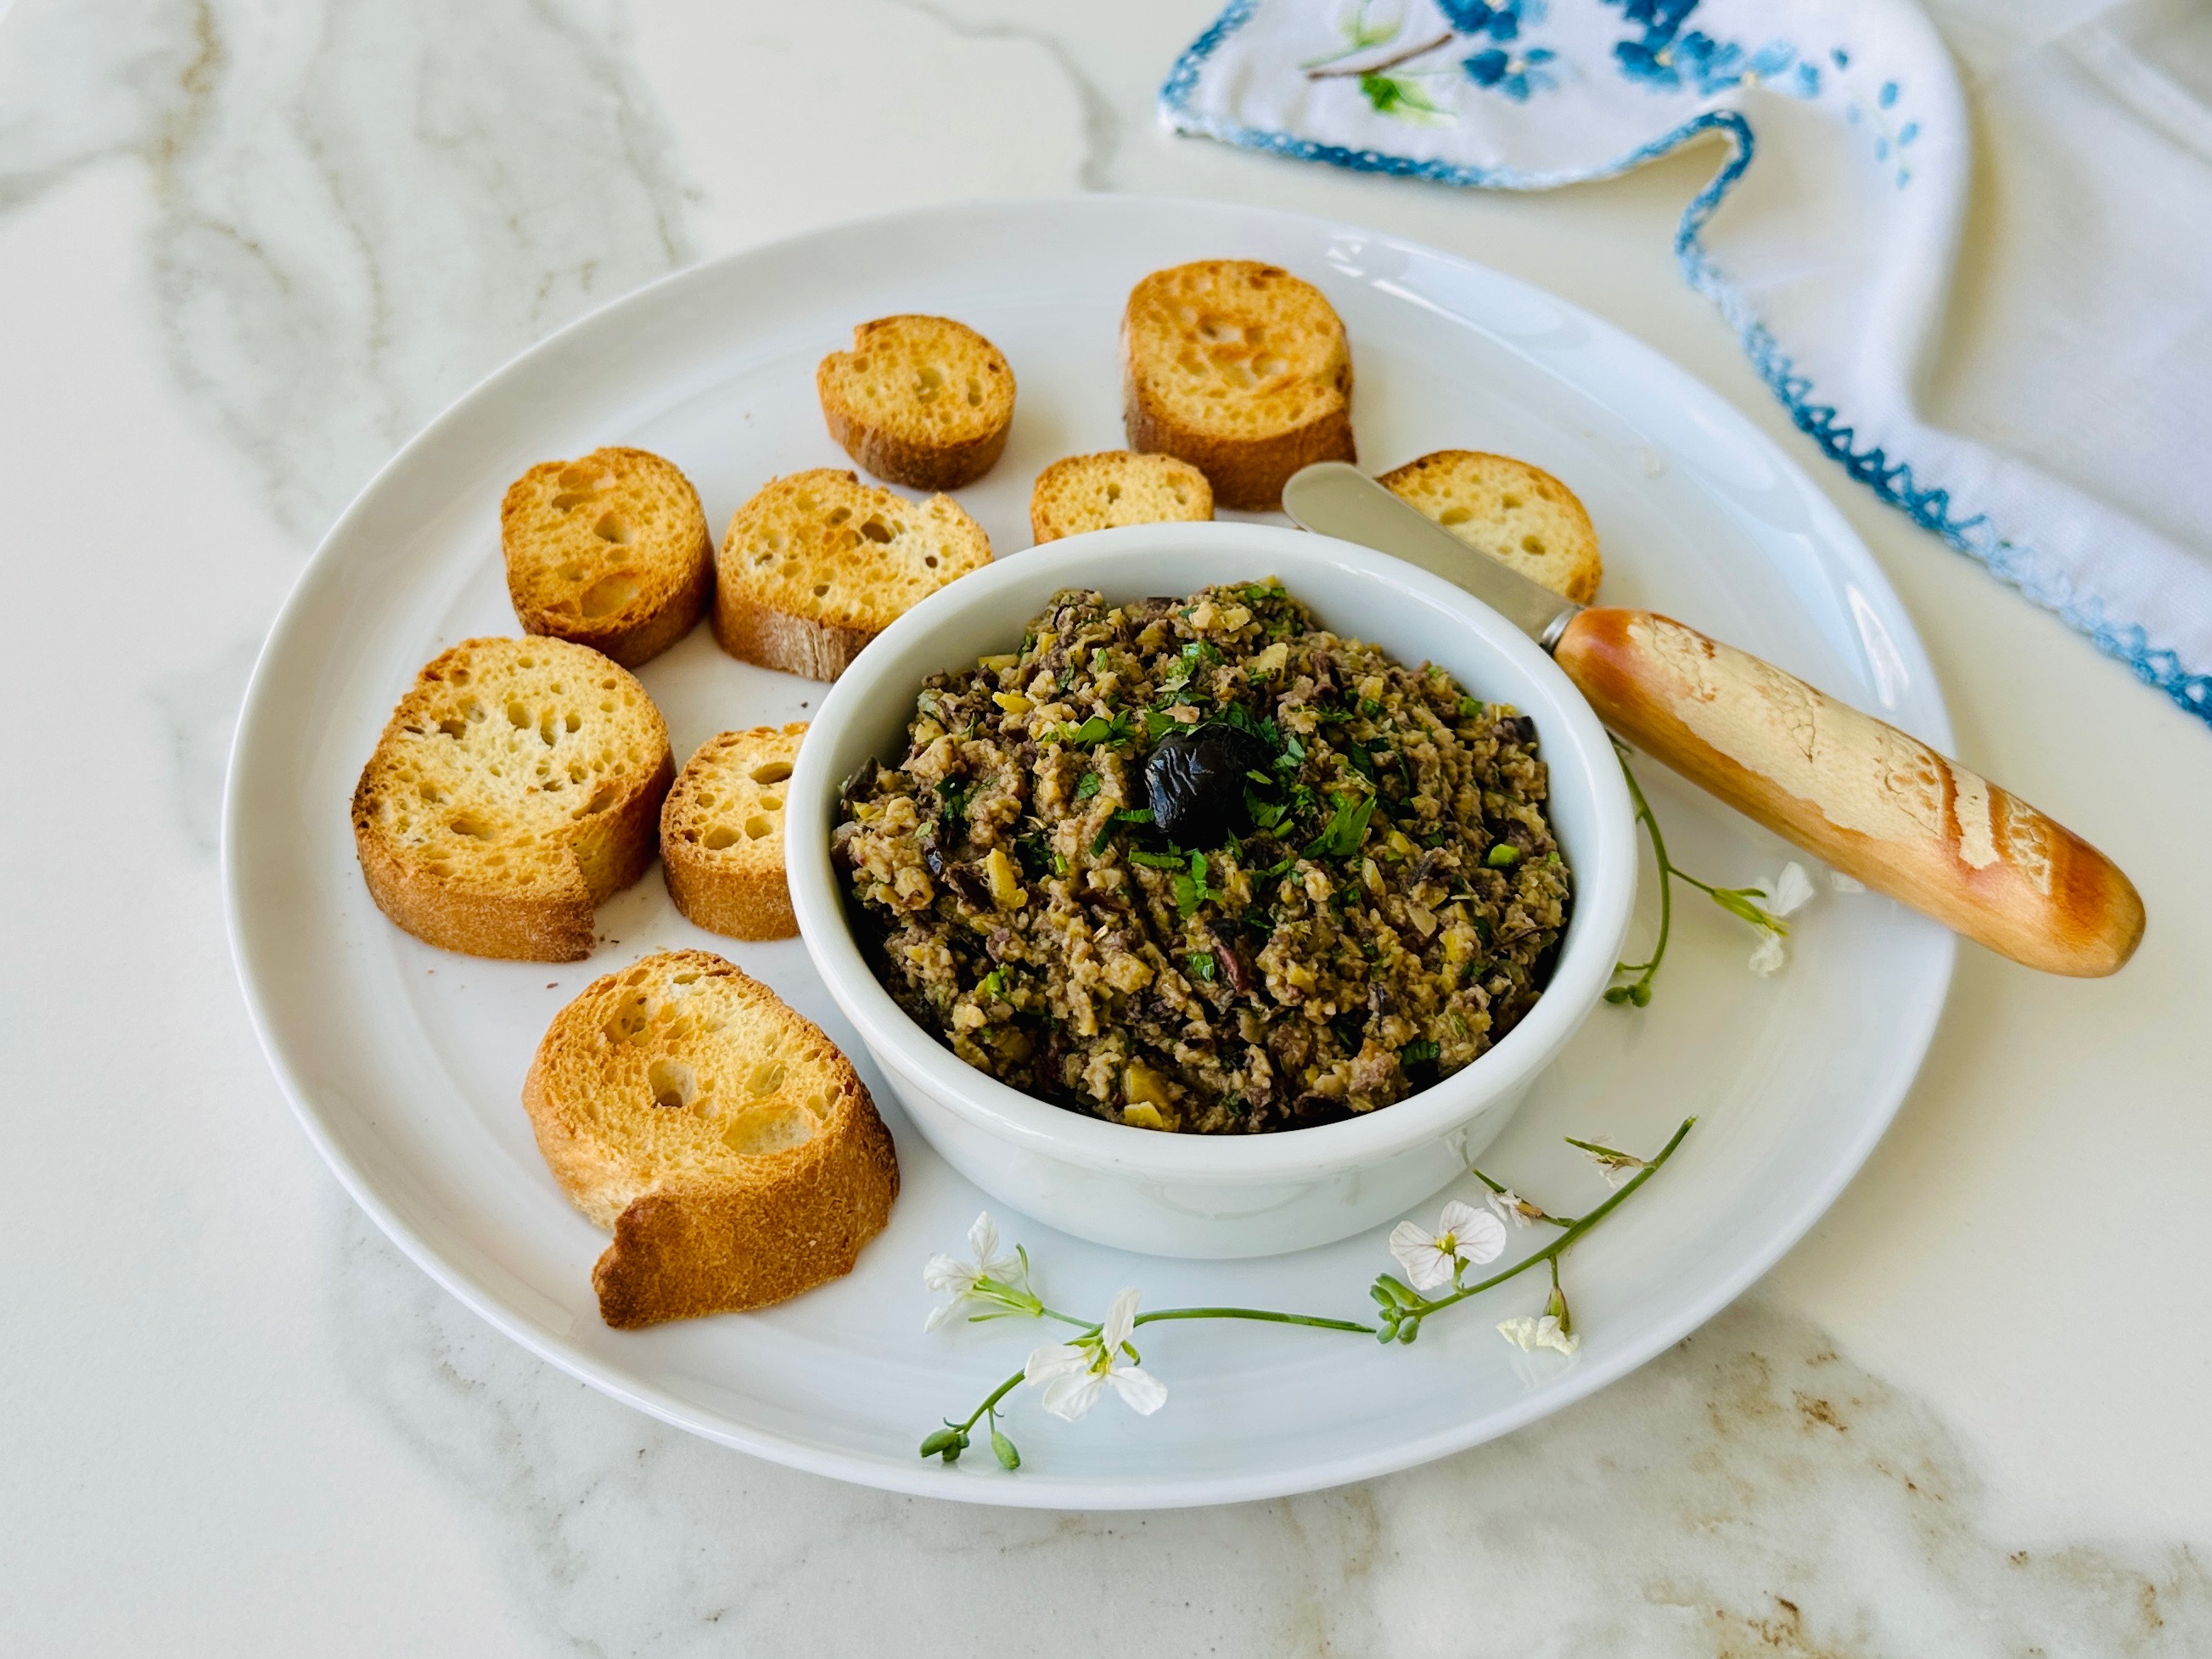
(406, 1064)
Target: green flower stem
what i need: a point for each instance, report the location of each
(991, 1403)
(1566, 1238)
(1500, 1188)
(1599, 1147)
(1091, 1328)
(1645, 817)
(1404, 1309)
(1261, 1314)
(1736, 901)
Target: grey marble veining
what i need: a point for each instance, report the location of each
(357, 209)
(1751, 1491)
(362, 207)
(1101, 121)
(199, 708)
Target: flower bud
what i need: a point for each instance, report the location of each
(1003, 1449)
(1557, 1306)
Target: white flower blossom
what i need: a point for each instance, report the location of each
(1074, 1374)
(1791, 893)
(1529, 1333)
(1464, 1236)
(950, 1277)
(1768, 956)
(1764, 908)
(1511, 1206)
(1618, 1168)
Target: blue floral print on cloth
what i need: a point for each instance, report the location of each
(1862, 109)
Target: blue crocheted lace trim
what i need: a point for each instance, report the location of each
(1929, 506)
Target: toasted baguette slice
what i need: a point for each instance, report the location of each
(818, 563)
(517, 784)
(721, 833)
(610, 552)
(730, 1147)
(1095, 492)
(1239, 368)
(923, 401)
(1519, 514)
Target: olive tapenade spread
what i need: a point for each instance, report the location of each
(1201, 865)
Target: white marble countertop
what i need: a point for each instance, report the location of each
(245, 250)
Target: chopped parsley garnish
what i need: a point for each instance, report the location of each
(1346, 830)
(1195, 655)
(952, 807)
(1093, 731)
(1036, 856)
(1243, 720)
(1418, 1053)
(1126, 815)
(1191, 890)
(1086, 786)
(1201, 964)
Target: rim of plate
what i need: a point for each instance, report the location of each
(1839, 543)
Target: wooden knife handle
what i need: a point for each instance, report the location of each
(1856, 793)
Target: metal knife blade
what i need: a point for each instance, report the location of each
(1334, 498)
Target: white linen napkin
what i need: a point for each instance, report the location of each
(2034, 384)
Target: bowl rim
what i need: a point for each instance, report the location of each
(1605, 874)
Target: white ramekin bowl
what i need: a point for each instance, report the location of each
(1207, 1195)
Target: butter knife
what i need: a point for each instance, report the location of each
(1855, 791)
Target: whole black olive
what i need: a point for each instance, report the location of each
(1194, 780)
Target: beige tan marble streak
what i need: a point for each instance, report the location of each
(1751, 1491)
(362, 206)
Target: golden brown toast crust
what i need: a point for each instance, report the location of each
(1240, 368)
(1081, 493)
(923, 401)
(818, 563)
(1517, 514)
(562, 845)
(698, 1228)
(609, 550)
(721, 833)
